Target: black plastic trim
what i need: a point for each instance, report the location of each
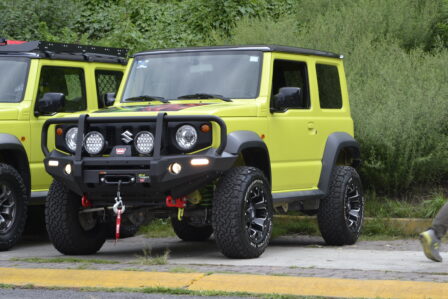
(12, 143)
(264, 48)
(290, 197)
(335, 143)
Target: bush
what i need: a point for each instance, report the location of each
(397, 90)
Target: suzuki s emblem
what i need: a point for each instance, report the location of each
(126, 137)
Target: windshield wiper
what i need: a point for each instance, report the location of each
(146, 98)
(204, 96)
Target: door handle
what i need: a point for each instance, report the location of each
(311, 128)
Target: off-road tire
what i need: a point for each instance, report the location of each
(333, 215)
(10, 178)
(187, 232)
(229, 212)
(64, 228)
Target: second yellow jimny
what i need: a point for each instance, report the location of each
(34, 76)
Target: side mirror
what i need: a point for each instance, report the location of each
(288, 97)
(51, 102)
(109, 99)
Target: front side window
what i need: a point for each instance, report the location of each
(291, 74)
(107, 82)
(66, 80)
(232, 74)
(13, 75)
(330, 95)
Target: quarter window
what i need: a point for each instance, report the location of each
(106, 82)
(329, 86)
(291, 74)
(69, 81)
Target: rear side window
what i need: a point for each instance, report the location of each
(291, 74)
(107, 81)
(329, 86)
(66, 80)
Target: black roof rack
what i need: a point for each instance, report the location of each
(263, 48)
(42, 49)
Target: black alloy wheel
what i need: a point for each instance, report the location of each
(13, 206)
(256, 206)
(242, 213)
(341, 212)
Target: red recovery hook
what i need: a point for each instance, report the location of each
(85, 202)
(180, 202)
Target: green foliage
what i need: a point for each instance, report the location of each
(396, 59)
(34, 19)
(398, 90)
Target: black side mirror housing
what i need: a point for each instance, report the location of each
(109, 99)
(51, 102)
(288, 97)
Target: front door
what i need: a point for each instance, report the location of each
(294, 135)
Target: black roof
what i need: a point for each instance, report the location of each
(264, 48)
(63, 51)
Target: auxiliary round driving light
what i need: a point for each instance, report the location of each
(94, 142)
(144, 142)
(175, 168)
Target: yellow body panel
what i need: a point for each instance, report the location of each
(18, 119)
(295, 138)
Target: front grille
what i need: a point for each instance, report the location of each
(124, 134)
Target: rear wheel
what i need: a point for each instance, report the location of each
(341, 213)
(188, 231)
(71, 231)
(242, 213)
(13, 206)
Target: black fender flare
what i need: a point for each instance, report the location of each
(239, 141)
(336, 142)
(11, 143)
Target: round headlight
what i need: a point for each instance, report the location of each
(70, 138)
(144, 142)
(186, 137)
(94, 142)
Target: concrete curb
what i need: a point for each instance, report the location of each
(255, 284)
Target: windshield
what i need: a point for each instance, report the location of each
(13, 74)
(230, 74)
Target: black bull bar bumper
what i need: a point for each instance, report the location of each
(144, 178)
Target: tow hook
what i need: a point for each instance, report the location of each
(179, 203)
(118, 209)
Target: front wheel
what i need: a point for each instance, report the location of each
(71, 231)
(341, 213)
(13, 206)
(242, 213)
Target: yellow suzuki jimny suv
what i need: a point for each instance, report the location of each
(216, 138)
(38, 81)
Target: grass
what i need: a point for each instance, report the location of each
(289, 226)
(162, 290)
(383, 207)
(182, 270)
(58, 260)
(148, 260)
(159, 228)
(374, 229)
